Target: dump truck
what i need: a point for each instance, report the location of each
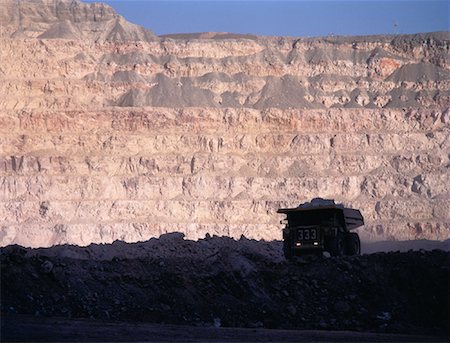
(321, 225)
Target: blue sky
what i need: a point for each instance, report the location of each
(288, 18)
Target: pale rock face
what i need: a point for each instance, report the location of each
(115, 134)
(66, 19)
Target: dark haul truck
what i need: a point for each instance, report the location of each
(321, 225)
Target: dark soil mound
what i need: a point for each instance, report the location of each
(223, 282)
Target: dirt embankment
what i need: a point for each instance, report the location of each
(222, 282)
(108, 132)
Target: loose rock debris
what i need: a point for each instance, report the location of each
(222, 282)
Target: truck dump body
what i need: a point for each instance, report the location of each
(352, 218)
(321, 225)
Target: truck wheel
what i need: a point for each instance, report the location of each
(353, 244)
(337, 244)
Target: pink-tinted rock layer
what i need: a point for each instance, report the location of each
(109, 132)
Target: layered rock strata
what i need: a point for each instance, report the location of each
(123, 135)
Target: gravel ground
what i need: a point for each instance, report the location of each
(20, 328)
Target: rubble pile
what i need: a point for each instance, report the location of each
(219, 281)
(109, 132)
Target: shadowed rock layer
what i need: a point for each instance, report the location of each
(115, 133)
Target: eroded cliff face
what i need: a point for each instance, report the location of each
(118, 134)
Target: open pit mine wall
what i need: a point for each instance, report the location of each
(105, 139)
(131, 174)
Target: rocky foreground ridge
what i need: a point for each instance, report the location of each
(219, 281)
(108, 132)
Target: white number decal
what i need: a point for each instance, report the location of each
(306, 234)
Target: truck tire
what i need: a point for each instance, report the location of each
(337, 244)
(353, 244)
